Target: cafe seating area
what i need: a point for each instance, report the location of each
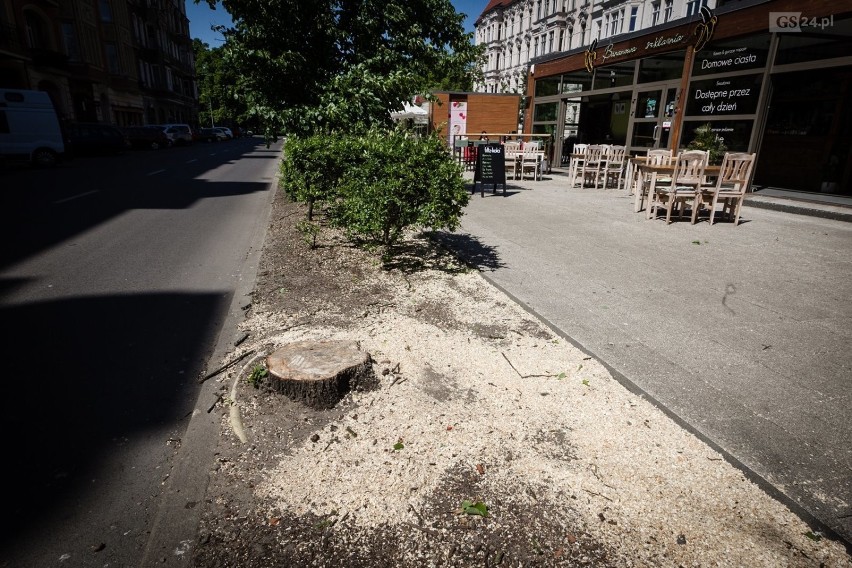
(597, 165)
(666, 185)
(524, 159)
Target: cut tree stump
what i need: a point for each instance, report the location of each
(319, 373)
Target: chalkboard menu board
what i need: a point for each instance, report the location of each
(490, 167)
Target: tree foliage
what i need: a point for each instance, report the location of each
(217, 103)
(341, 65)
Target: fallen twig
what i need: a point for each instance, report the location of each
(519, 373)
(226, 366)
(596, 494)
(510, 364)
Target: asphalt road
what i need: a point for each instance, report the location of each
(740, 333)
(120, 277)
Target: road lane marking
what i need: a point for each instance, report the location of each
(73, 197)
(155, 172)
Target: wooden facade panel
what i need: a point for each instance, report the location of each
(497, 113)
(494, 113)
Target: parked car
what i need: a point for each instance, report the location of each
(226, 130)
(91, 138)
(29, 128)
(210, 135)
(147, 137)
(180, 134)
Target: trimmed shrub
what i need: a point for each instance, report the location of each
(377, 184)
(400, 181)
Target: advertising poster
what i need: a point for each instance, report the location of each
(458, 119)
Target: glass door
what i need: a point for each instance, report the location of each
(652, 116)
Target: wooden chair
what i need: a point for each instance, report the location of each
(612, 167)
(511, 151)
(687, 178)
(592, 166)
(654, 157)
(730, 187)
(531, 158)
(575, 168)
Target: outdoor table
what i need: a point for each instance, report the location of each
(632, 162)
(654, 170)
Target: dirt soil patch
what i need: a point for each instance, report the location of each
(488, 441)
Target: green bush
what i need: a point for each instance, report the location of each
(706, 139)
(376, 184)
(401, 181)
(312, 167)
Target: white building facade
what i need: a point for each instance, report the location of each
(516, 32)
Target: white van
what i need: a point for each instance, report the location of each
(29, 128)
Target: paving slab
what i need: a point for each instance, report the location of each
(741, 333)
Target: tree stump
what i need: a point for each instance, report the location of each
(319, 373)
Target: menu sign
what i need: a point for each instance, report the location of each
(730, 95)
(728, 59)
(490, 167)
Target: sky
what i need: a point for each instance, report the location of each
(201, 18)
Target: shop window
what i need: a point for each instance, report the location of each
(724, 96)
(661, 68)
(648, 104)
(734, 133)
(616, 75)
(835, 40)
(575, 82)
(547, 87)
(545, 112)
(732, 55)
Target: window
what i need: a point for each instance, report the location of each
(561, 40)
(106, 10)
(538, 10)
(693, 6)
(535, 52)
(668, 10)
(112, 58)
(633, 13)
(546, 7)
(550, 43)
(36, 31)
(655, 16)
(69, 40)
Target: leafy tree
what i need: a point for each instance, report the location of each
(215, 78)
(340, 65)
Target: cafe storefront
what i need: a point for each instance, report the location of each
(779, 85)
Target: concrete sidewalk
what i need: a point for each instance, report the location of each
(742, 333)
